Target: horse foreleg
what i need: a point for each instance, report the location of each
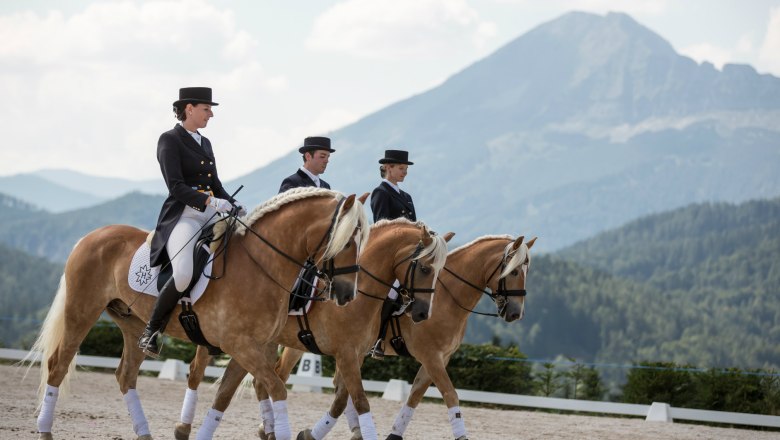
(231, 380)
(260, 360)
(284, 366)
(197, 371)
(127, 373)
(436, 371)
(421, 383)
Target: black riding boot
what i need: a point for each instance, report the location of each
(165, 304)
(388, 308)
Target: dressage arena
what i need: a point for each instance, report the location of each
(95, 410)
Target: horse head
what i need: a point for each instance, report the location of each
(508, 289)
(420, 271)
(338, 268)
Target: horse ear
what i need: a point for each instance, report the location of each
(349, 202)
(425, 235)
(517, 242)
(448, 236)
(530, 242)
(363, 198)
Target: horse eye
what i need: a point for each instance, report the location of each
(425, 269)
(514, 272)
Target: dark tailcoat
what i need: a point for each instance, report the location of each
(300, 179)
(187, 168)
(387, 203)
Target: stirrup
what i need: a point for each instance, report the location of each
(149, 344)
(377, 351)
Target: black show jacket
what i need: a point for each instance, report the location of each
(187, 168)
(387, 203)
(298, 180)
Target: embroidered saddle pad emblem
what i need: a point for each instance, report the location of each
(143, 278)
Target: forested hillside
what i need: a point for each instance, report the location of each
(696, 285)
(27, 286)
(53, 235)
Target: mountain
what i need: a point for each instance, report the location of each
(575, 127)
(27, 286)
(53, 236)
(695, 285)
(103, 187)
(45, 194)
(13, 209)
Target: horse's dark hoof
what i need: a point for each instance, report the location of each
(394, 437)
(463, 437)
(182, 431)
(356, 435)
(305, 435)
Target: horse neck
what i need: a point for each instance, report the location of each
(488, 253)
(382, 253)
(294, 229)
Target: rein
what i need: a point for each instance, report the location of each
(502, 293)
(327, 273)
(407, 293)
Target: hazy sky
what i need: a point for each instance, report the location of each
(88, 85)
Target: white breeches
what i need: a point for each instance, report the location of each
(181, 243)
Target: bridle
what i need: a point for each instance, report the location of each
(327, 271)
(407, 289)
(501, 296)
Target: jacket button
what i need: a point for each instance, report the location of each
(202, 162)
(211, 163)
(209, 174)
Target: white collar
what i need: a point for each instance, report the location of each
(315, 178)
(195, 135)
(393, 185)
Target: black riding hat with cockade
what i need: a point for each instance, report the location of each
(194, 95)
(396, 156)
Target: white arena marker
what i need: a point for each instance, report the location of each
(309, 366)
(659, 412)
(174, 369)
(397, 390)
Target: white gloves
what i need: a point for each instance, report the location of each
(241, 209)
(220, 205)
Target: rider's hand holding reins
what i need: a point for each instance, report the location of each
(220, 205)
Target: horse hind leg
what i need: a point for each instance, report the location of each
(59, 342)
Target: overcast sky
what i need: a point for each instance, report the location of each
(88, 85)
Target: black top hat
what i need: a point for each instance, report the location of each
(396, 156)
(195, 95)
(315, 143)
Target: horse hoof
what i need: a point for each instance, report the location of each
(261, 433)
(45, 436)
(356, 435)
(463, 437)
(145, 437)
(305, 435)
(395, 437)
(182, 431)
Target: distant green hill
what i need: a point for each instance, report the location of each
(27, 286)
(53, 235)
(697, 285)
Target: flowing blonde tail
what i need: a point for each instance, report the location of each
(49, 341)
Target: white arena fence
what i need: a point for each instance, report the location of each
(399, 390)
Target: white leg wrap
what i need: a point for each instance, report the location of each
(281, 422)
(402, 421)
(352, 415)
(140, 425)
(267, 415)
(323, 426)
(456, 422)
(210, 424)
(46, 416)
(367, 428)
(188, 406)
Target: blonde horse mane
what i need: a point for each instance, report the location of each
(342, 228)
(437, 248)
(517, 259)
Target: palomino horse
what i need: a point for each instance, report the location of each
(240, 313)
(496, 262)
(397, 249)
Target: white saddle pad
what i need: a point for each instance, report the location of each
(143, 278)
